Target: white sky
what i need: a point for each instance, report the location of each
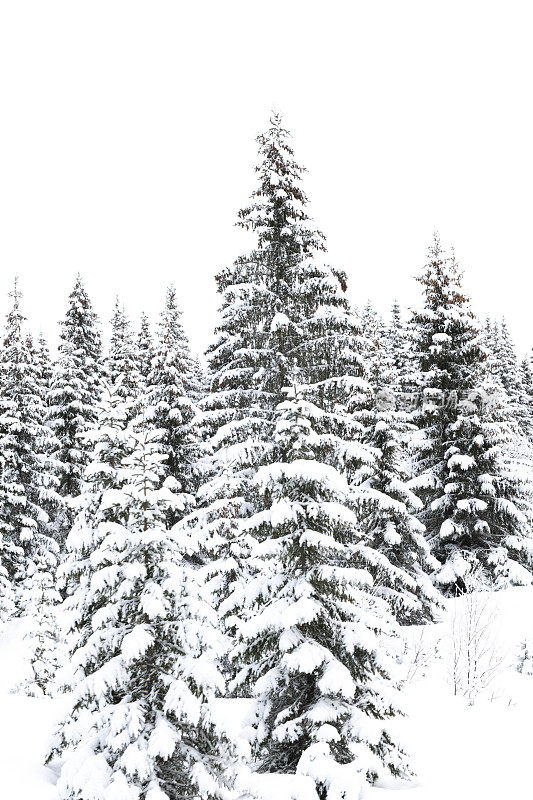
(127, 143)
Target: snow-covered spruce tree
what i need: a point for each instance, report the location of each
(510, 375)
(280, 304)
(388, 511)
(469, 510)
(488, 338)
(200, 385)
(43, 360)
(81, 328)
(449, 367)
(485, 532)
(40, 601)
(43, 366)
(398, 353)
(314, 654)
(12, 505)
(122, 361)
(145, 349)
(386, 506)
(74, 392)
(109, 444)
(374, 343)
(526, 398)
(506, 363)
(53, 503)
(28, 483)
(28, 499)
(507, 381)
(39, 598)
(168, 403)
(70, 414)
(141, 725)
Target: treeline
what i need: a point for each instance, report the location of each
(259, 528)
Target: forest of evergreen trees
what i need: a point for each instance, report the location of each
(258, 524)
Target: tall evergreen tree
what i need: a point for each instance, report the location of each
(449, 361)
(508, 381)
(387, 507)
(281, 305)
(141, 726)
(313, 652)
(81, 328)
(374, 337)
(109, 445)
(40, 601)
(284, 318)
(398, 353)
(484, 532)
(145, 349)
(43, 365)
(75, 389)
(122, 361)
(526, 398)
(509, 374)
(200, 385)
(27, 476)
(53, 503)
(506, 362)
(169, 405)
(71, 413)
(471, 518)
(489, 341)
(388, 511)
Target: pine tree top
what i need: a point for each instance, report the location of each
(442, 281)
(80, 326)
(277, 212)
(447, 333)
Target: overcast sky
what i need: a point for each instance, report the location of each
(127, 144)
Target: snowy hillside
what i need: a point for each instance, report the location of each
(468, 750)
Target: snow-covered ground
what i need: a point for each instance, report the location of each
(25, 726)
(466, 749)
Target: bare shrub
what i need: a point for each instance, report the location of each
(418, 654)
(475, 659)
(524, 661)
